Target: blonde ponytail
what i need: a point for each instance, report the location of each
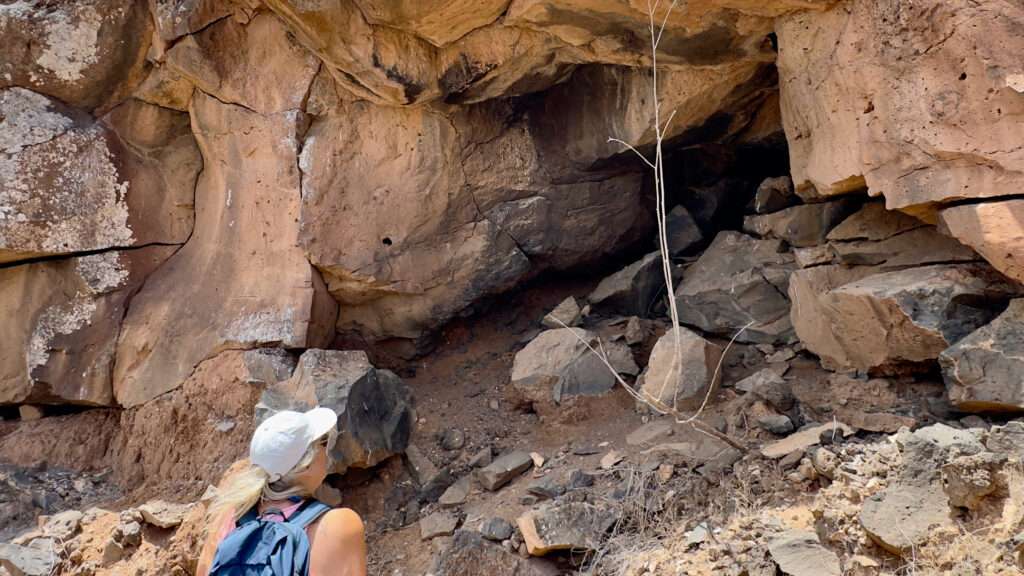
(239, 495)
(245, 489)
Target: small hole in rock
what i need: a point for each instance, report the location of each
(386, 241)
(963, 75)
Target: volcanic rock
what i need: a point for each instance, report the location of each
(87, 54)
(853, 118)
(557, 364)
(994, 230)
(438, 524)
(985, 370)
(468, 554)
(220, 274)
(566, 314)
(736, 281)
(61, 320)
(682, 230)
(800, 553)
(633, 289)
(566, 526)
(681, 383)
(504, 469)
(804, 225)
(774, 194)
(373, 406)
(855, 320)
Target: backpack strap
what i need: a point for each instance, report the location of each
(308, 513)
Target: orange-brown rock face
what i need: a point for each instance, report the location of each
(85, 53)
(69, 184)
(995, 229)
(60, 326)
(412, 213)
(920, 101)
(373, 168)
(240, 281)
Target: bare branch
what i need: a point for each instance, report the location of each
(635, 151)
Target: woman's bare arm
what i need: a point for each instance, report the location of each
(339, 545)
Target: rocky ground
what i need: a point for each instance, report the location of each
(412, 212)
(511, 448)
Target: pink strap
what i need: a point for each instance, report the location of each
(229, 522)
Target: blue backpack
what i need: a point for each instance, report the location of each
(262, 547)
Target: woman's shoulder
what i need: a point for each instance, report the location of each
(339, 523)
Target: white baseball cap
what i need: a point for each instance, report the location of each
(281, 440)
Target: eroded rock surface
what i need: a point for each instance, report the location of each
(246, 225)
(70, 184)
(61, 320)
(876, 95)
(85, 54)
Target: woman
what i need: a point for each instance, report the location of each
(289, 454)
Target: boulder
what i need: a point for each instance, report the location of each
(738, 280)
(890, 115)
(916, 247)
(61, 323)
(632, 290)
(853, 319)
(902, 517)
(767, 385)
(680, 383)
(69, 184)
(557, 364)
(993, 229)
(63, 526)
(456, 494)
(682, 231)
(985, 370)
(496, 529)
(576, 526)
(374, 406)
(88, 54)
(426, 475)
(438, 524)
(913, 508)
(468, 554)
(899, 318)
(565, 315)
(27, 560)
(800, 553)
(945, 439)
(268, 366)
(776, 423)
(164, 514)
(804, 225)
(504, 469)
(220, 273)
(774, 194)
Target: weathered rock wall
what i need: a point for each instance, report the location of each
(275, 174)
